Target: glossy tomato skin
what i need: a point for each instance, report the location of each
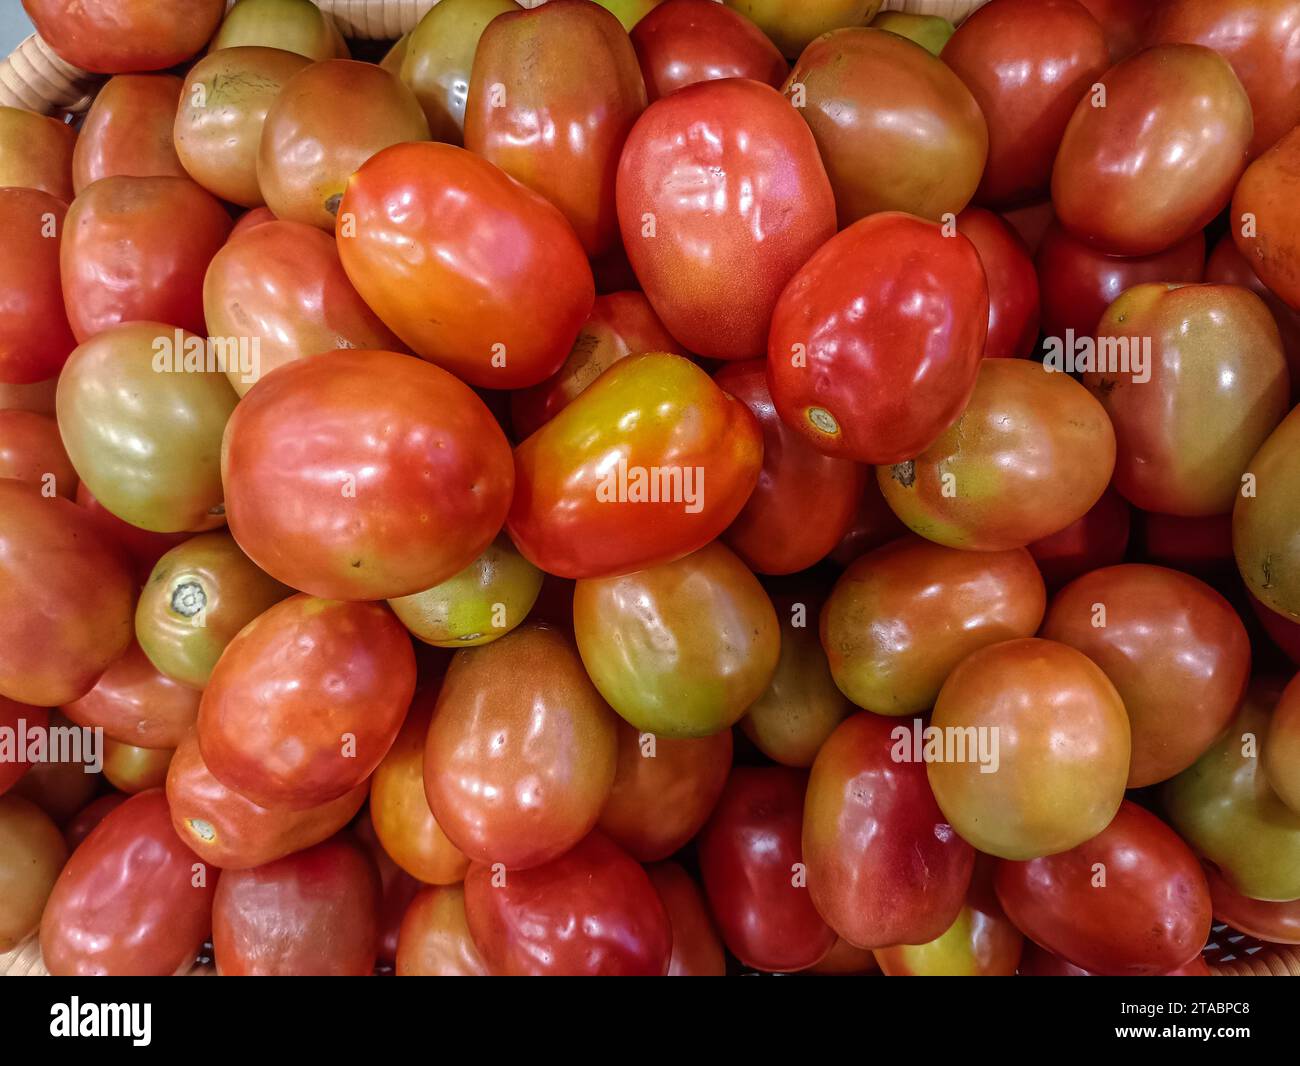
(1100, 538)
(773, 533)
(1214, 386)
(885, 866)
(133, 769)
(289, 25)
(650, 463)
(135, 704)
(1032, 452)
(1124, 22)
(434, 940)
(1282, 754)
(32, 852)
(306, 700)
(752, 866)
(1062, 749)
(17, 716)
(705, 188)
(793, 24)
(1160, 159)
(1266, 198)
(32, 452)
(407, 478)
(37, 397)
(1227, 266)
(1277, 923)
(591, 912)
(1012, 283)
(133, 899)
(312, 913)
(122, 36)
(35, 337)
(697, 950)
(36, 152)
(65, 598)
(94, 812)
(1027, 63)
(1264, 525)
(1131, 901)
(454, 273)
(876, 342)
(128, 130)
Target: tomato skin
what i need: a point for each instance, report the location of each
(60, 788)
(124, 36)
(661, 419)
(1124, 23)
(1039, 963)
(1268, 191)
(90, 816)
(132, 900)
(434, 940)
(591, 912)
(36, 397)
(845, 960)
(36, 152)
(1264, 525)
(133, 769)
(884, 864)
(454, 273)
(35, 337)
(32, 853)
(1227, 266)
(873, 525)
(140, 548)
(12, 716)
(292, 686)
(1282, 755)
(297, 26)
(135, 704)
(65, 599)
(312, 913)
(704, 186)
(794, 24)
(1160, 160)
(128, 130)
(1012, 283)
(1152, 914)
(697, 950)
(1100, 538)
(32, 452)
(1277, 923)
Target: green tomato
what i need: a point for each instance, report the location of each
(929, 31)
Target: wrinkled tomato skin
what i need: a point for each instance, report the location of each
(682, 42)
(128, 131)
(124, 36)
(65, 598)
(312, 913)
(884, 865)
(704, 188)
(32, 452)
(1227, 266)
(1100, 538)
(427, 467)
(1266, 525)
(861, 91)
(306, 701)
(575, 514)
(1027, 63)
(446, 248)
(1160, 159)
(804, 500)
(1150, 914)
(32, 852)
(434, 940)
(697, 950)
(134, 704)
(16, 716)
(36, 152)
(794, 24)
(133, 769)
(137, 249)
(591, 912)
(877, 341)
(1267, 197)
(133, 900)
(1276, 923)
(1012, 283)
(1282, 753)
(35, 337)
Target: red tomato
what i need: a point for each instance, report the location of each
(90, 816)
(1198, 545)
(1264, 218)
(35, 338)
(1031, 222)
(1039, 963)
(1124, 22)
(1012, 282)
(1227, 266)
(1283, 632)
(14, 718)
(37, 397)
(36, 152)
(434, 940)
(141, 548)
(872, 526)
(61, 787)
(253, 217)
(120, 36)
(128, 131)
(704, 187)
(32, 452)
(697, 951)
(134, 704)
(1099, 538)
(1276, 923)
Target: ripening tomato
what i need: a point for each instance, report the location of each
(650, 463)
(134, 704)
(1051, 731)
(897, 129)
(123, 36)
(234, 833)
(35, 337)
(903, 616)
(36, 152)
(65, 598)
(884, 864)
(1283, 632)
(1152, 153)
(681, 649)
(306, 700)
(364, 475)
(591, 912)
(32, 852)
(1012, 283)
(32, 452)
(435, 940)
(15, 719)
(1276, 923)
(1032, 452)
(1264, 221)
(697, 950)
(706, 185)
(132, 769)
(877, 341)
(1099, 538)
(132, 900)
(128, 130)
(314, 913)
(1131, 901)
(1227, 266)
(1282, 753)
(1265, 521)
(793, 24)
(297, 26)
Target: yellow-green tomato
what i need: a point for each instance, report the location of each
(293, 25)
(929, 31)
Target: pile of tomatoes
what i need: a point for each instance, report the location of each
(653, 488)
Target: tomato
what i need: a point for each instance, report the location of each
(1282, 754)
(1124, 22)
(1283, 632)
(306, 700)
(223, 107)
(66, 775)
(65, 598)
(35, 337)
(364, 475)
(873, 525)
(884, 864)
(591, 912)
(32, 853)
(1159, 160)
(36, 152)
(141, 548)
(132, 899)
(650, 463)
(143, 424)
(629, 12)
(1277, 923)
(863, 93)
(1027, 63)
(135, 704)
(133, 769)
(128, 131)
(312, 913)
(1227, 266)
(1052, 727)
(877, 340)
(90, 816)
(397, 889)
(1032, 452)
(793, 24)
(697, 951)
(1077, 282)
(1012, 283)
(682, 42)
(447, 249)
(16, 717)
(1031, 222)
(1263, 218)
(705, 185)
(32, 452)
(37, 397)
(903, 616)
(1265, 521)
(234, 833)
(1131, 901)
(663, 790)
(931, 32)
(681, 649)
(435, 940)
(254, 216)
(291, 25)
(123, 36)
(1099, 538)
(845, 960)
